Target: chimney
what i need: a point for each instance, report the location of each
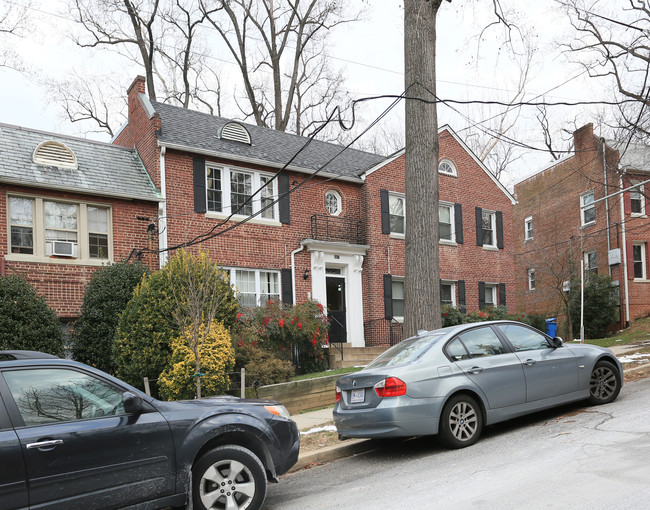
(584, 141)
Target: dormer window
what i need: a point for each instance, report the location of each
(56, 154)
(235, 132)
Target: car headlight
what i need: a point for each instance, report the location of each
(278, 410)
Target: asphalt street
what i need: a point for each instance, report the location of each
(571, 457)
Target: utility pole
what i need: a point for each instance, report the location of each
(422, 288)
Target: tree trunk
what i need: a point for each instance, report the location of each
(422, 288)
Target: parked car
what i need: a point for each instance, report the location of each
(73, 437)
(455, 380)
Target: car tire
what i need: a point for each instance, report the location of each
(604, 383)
(229, 477)
(461, 422)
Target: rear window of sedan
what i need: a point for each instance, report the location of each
(406, 351)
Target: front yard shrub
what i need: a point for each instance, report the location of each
(451, 316)
(265, 368)
(106, 295)
(600, 305)
(291, 333)
(26, 322)
(151, 319)
(217, 358)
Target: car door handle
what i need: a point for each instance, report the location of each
(530, 362)
(44, 444)
(475, 370)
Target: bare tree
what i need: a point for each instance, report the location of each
(131, 26)
(280, 48)
(612, 40)
(97, 100)
(14, 22)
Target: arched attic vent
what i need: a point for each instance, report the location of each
(57, 154)
(236, 133)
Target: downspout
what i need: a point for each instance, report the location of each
(624, 242)
(293, 271)
(609, 243)
(162, 213)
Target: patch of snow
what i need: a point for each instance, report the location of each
(326, 428)
(635, 358)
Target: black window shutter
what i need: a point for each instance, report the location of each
(385, 212)
(502, 294)
(461, 295)
(388, 296)
(481, 295)
(458, 219)
(283, 187)
(479, 226)
(287, 286)
(199, 184)
(499, 230)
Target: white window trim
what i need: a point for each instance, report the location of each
(338, 199)
(493, 224)
(527, 230)
(452, 218)
(584, 207)
(38, 233)
(395, 279)
(402, 196)
(586, 259)
(255, 186)
(641, 214)
(494, 287)
(452, 283)
(258, 285)
(644, 262)
(453, 173)
(531, 279)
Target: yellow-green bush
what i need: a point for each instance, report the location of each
(216, 355)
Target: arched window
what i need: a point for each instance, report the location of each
(446, 167)
(333, 202)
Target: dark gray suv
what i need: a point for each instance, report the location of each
(73, 437)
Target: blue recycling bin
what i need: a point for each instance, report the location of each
(551, 327)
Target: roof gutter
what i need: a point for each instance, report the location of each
(256, 161)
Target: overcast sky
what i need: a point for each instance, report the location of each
(370, 53)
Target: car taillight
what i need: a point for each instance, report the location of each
(390, 387)
(338, 394)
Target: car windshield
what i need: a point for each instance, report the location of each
(405, 352)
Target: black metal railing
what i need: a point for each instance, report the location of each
(335, 229)
(380, 332)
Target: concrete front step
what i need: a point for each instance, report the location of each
(354, 356)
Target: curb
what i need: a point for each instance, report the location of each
(348, 449)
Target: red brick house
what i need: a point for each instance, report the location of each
(294, 218)
(590, 207)
(68, 206)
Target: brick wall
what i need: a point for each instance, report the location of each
(63, 283)
(471, 188)
(552, 198)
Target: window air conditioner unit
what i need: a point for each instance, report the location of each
(64, 249)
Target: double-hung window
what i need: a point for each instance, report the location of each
(398, 298)
(587, 208)
(591, 262)
(528, 228)
(241, 192)
(490, 295)
(637, 201)
(448, 293)
(255, 287)
(446, 222)
(638, 255)
(531, 279)
(397, 211)
(58, 229)
(489, 228)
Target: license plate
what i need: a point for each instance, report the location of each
(357, 396)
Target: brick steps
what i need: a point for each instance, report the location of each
(353, 356)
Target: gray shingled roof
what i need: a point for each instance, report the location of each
(103, 169)
(634, 157)
(200, 131)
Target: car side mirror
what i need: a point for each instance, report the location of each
(132, 403)
(556, 342)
